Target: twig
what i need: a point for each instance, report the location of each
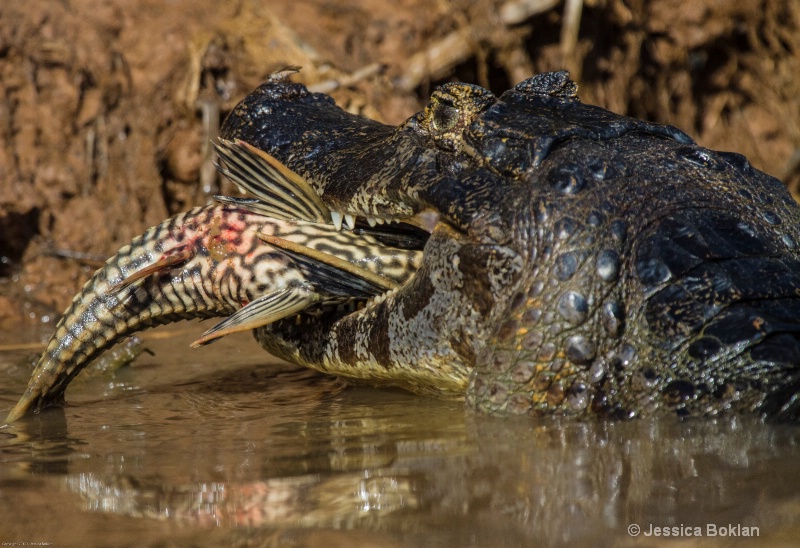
(456, 47)
(209, 106)
(791, 168)
(517, 11)
(88, 259)
(436, 60)
(516, 62)
(347, 80)
(570, 27)
(22, 346)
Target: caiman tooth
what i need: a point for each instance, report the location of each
(426, 220)
(372, 222)
(378, 299)
(350, 221)
(336, 218)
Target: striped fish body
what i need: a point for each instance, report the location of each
(210, 261)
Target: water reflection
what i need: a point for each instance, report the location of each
(345, 500)
(238, 453)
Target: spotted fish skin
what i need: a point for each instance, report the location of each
(210, 261)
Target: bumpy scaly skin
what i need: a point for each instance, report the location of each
(583, 262)
(222, 266)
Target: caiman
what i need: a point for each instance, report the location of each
(573, 261)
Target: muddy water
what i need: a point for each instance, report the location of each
(223, 446)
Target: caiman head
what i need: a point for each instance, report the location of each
(578, 261)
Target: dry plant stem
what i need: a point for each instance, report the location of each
(790, 171)
(348, 80)
(570, 27)
(517, 11)
(792, 167)
(22, 346)
(208, 171)
(435, 61)
(516, 62)
(88, 259)
(456, 47)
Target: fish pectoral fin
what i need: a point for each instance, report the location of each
(172, 260)
(283, 192)
(262, 311)
(329, 273)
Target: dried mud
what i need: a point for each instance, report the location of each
(107, 107)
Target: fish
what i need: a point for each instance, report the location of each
(256, 259)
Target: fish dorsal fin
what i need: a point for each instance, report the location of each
(283, 192)
(262, 311)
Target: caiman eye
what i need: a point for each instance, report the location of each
(444, 117)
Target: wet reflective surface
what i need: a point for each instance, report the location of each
(225, 446)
